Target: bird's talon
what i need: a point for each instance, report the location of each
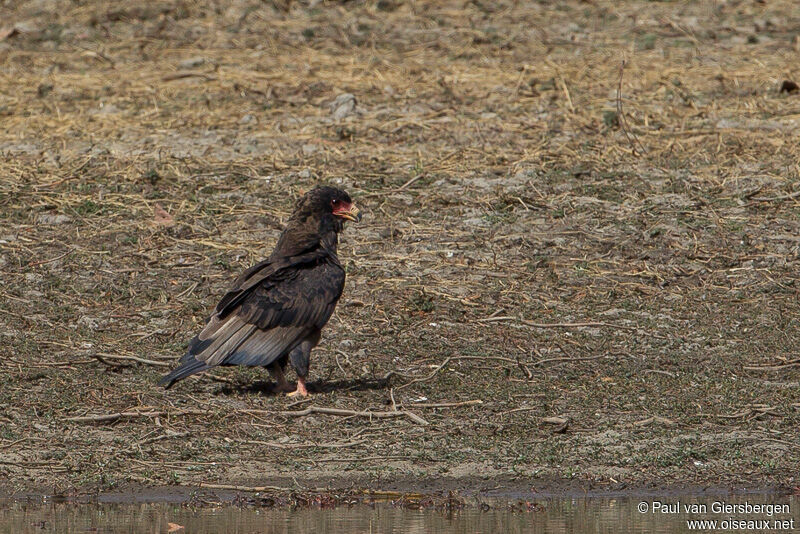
(301, 389)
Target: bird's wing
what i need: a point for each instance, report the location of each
(262, 271)
(271, 316)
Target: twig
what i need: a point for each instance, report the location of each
(779, 197)
(623, 123)
(563, 85)
(35, 263)
(793, 363)
(305, 445)
(299, 402)
(496, 319)
(364, 458)
(181, 75)
(9, 445)
(654, 419)
(449, 404)
(574, 325)
(523, 409)
(660, 372)
(130, 358)
(524, 369)
(168, 435)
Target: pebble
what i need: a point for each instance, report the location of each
(192, 63)
(344, 105)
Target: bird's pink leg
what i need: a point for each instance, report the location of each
(301, 388)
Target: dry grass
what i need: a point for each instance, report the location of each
(501, 185)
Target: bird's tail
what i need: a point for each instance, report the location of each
(188, 367)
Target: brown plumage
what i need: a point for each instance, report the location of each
(276, 309)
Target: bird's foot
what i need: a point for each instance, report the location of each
(301, 389)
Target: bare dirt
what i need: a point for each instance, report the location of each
(614, 277)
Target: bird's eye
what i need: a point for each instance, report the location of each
(334, 202)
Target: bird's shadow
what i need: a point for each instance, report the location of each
(320, 386)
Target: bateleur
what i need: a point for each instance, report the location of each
(276, 309)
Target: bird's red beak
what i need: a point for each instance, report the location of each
(348, 212)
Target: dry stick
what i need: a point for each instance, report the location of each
(162, 437)
(305, 445)
(158, 438)
(654, 419)
(98, 355)
(553, 325)
(496, 319)
(563, 85)
(181, 75)
(449, 404)
(780, 197)
(523, 409)
(364, 459)
(793, 363)
(454, 358)
(575, 325)
(9, 445)
(621, 116)
(33, 264)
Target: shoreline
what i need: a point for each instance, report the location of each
(433, 492)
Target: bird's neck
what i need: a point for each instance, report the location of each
(305, 235)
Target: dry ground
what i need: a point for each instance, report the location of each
(151, 150)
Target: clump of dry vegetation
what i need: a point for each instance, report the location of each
(606, 259)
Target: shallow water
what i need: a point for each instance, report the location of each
(588, 515)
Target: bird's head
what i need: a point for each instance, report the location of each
(317, 220)
(324, 202)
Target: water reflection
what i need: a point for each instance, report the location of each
(590, 515)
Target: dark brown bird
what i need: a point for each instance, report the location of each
(276, 309)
